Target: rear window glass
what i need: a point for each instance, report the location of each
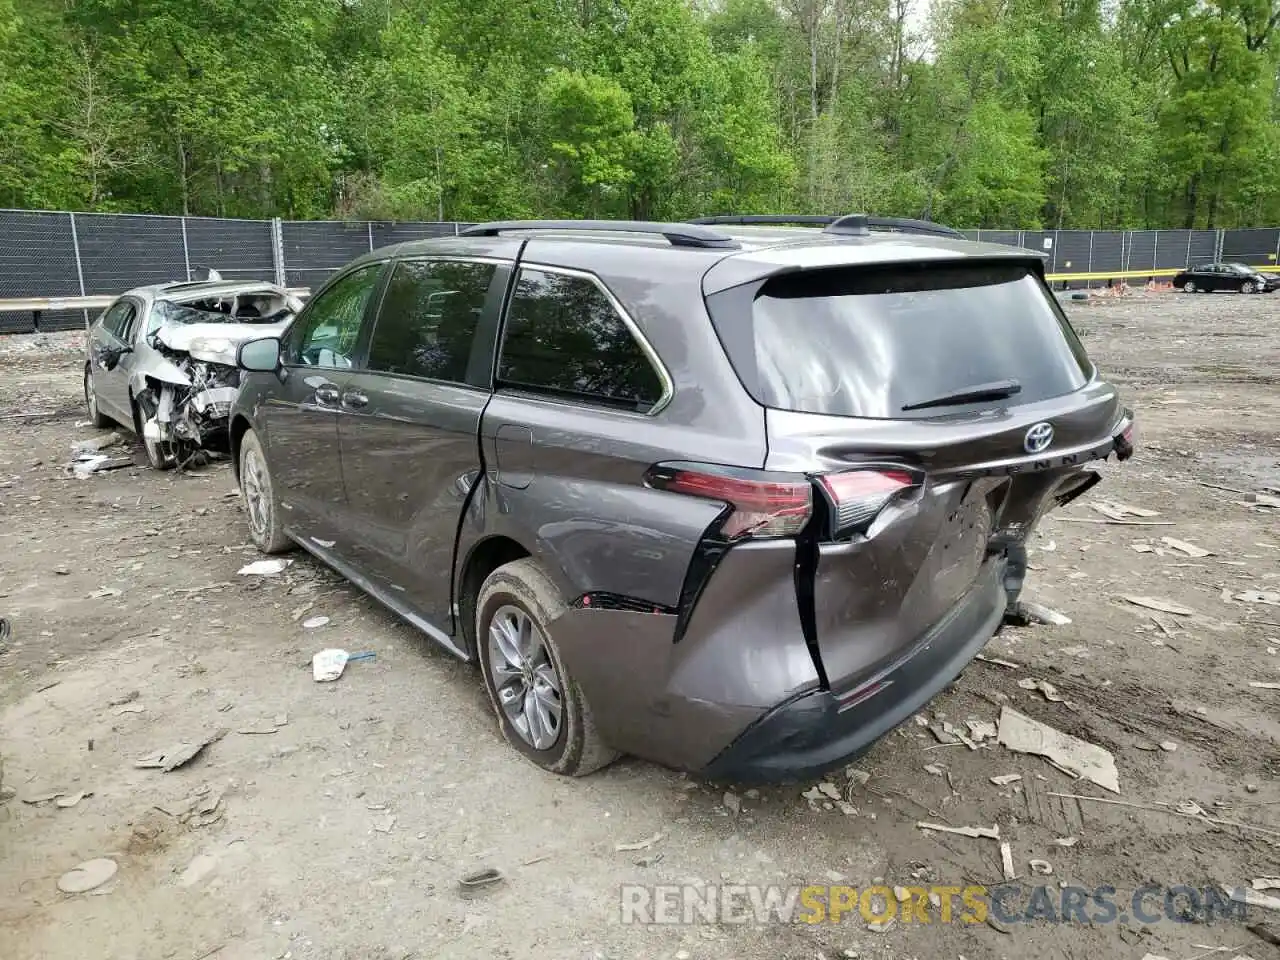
(861, 343)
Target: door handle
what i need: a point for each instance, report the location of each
(326, 393)
(354, 400)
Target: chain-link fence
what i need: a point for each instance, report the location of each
(44, 254)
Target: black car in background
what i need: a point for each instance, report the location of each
(1239, 277)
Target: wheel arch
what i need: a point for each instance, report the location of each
(484, 557)
(240, 425)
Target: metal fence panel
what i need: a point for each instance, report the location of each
(38, 259)
(237, 249)
(1143, 245)
(53, 254)
(313, 250)
(385, 234)
(1007, 237)
(119, 252)
(1204, 247)
(1257, 247)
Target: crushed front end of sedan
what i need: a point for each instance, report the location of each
(185, 390)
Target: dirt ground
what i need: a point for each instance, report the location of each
(341, 832)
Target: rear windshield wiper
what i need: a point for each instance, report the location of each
(996, 390)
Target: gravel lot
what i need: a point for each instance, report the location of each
(342, 832)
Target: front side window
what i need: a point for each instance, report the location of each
(428, 319)
(116, 320)
(563, 336)
(331, 322)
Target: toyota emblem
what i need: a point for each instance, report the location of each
(1038, 438)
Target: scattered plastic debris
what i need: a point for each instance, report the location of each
(1039, 613)
(1005, 779)
(1264, 685)
(68, 800)
(384, 823)
(1269, 597)
(1253, 898)
(987, 833)
(328, 665)
(1044, 686)
(1168, 746)
(85, 465)
(1182, 546)
(178, 755)
(1042, 867)
(264, 568)
(881, 926)
(481, 878)
(1021, 734)
(315, 623)
(732, 802)
(1006, 860)
(104, 592)
(1121, 511)
(981, 730)
(1266, 883)
(644, 844)
(936, 769)
(1066, 841)
(1164, 606)
(87, 876)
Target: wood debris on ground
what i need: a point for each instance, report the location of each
(1164, 606)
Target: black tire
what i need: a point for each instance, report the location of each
(96, 416)
(577, 748)
(257, 495)
(1189, 287)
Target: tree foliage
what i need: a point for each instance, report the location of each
(1015, 113)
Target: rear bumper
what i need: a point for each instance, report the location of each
(816, 731)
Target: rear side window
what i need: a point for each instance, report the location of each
(563, 336)
(869, 343)
(428, 319)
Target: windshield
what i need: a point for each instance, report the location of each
(241, 308)
(891, 343)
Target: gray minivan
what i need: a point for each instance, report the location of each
(735, 498)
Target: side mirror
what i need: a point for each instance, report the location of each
(262, 356)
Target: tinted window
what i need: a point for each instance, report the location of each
(331, 322)
(428, 319)
(863, 343)
(563, 335)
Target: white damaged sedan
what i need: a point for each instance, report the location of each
(162, 361)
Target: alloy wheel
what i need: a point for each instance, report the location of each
(90, 396)
(528, 687)
(255, 486)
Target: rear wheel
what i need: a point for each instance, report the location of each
(1189, 286)
(260, 504)
(96, 416)
(540, 708)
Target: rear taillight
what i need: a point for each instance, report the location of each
(856, 497)
(760, 504)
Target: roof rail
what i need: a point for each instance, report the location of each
(854, 224)
(677, 234)
(769, 219)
